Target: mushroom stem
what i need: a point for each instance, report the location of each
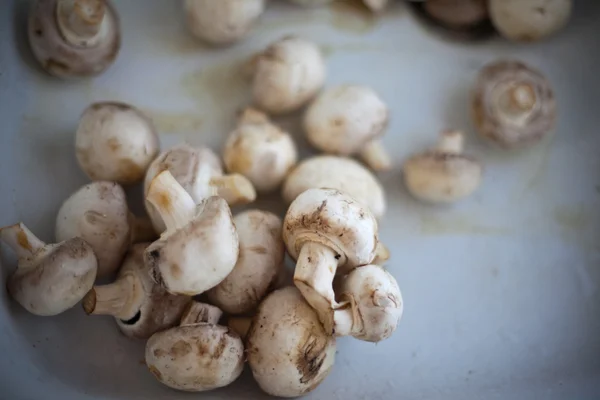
(521, 99)
(21, 240)
(141, 229)
(240, 325)
(175, 205)
(198, 313)
(344, 320)
(382, 254)
(122, 299)
(236, 189)
(375, 156)
(80, 20)
(450, 142)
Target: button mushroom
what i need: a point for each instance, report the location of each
(50, 278)
(339, 173)
(260, 151)
(200, 246)
(288, 350)
(74, 38)
(140, 306)
(347, 120)
(327, 232)
(224, 21)
(198, 355)
(444, 174)
(287, 74)
(198, 170)
(513, 104)
(258, 265)
(529, 20)
(115, 142)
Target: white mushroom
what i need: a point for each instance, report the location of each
(529, 20)
(348, 120)
(198, 355)
(513, 104)
(200, 246)
(198, 170)
(140, 306)
(224, 21)
(288, 350)
(339, 173)
(457, 14)
(260, 151)
(50, 278)
(115, 142)
(444, 174)
(74, 38)
(287, 74)
(259, 263)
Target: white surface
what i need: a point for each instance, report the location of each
(501, 292)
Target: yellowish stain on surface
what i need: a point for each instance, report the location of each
(175, 122)
(330, 49)
(572, 218)
(457, 225)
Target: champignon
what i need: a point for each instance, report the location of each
(287, 74)
(339, 173)
(198, 170)
(98, 213)
(115, 142)
(444, 174)
(260, 151)
(200, 246)
(50, 278)
(259, 263)
(288, 350)
(140, 306)
(74, 38)
(458, 14)
(348, 120)
(224, 21)
(513, 104)
(198, 355)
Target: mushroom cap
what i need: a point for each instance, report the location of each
(258, 265)
(287, 348)
(98, 213)
(375, 299)
(57, 278)
(223, 21)
(457, 13)
(115, 142)
(260, 151)
(192, 167)
(339, 173)
(343, 119)
(529, 20)
(195, 358)
(336, 220)
(495, 122)
(198, 256)
(287, 74)
(63, 59)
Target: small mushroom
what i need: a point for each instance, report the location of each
(259, 263)
(288, 350)
(339, 173)
(200, 246)
(328, 233)
(224, 21)
(444, 174)
(50, 278)
(457, 14)
(140, 306)
(287, 74)
(198, 170)
(74, 38)
(98, 213)
(529, 20)
(348, 120)
(198, 355)
(260, 151)
(115, 142)
(513, 104)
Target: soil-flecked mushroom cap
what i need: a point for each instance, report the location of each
(50, 278)
(74, 38)
(115, 142)
(200, 246)
(288, 350)
(259, 263)
(513, 104)
(457, 13)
